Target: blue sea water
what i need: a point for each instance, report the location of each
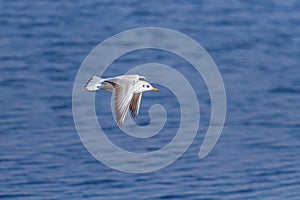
(256, 46)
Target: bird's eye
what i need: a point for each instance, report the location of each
(148, 86)
(143, 85)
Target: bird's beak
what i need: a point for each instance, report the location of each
(155, 89)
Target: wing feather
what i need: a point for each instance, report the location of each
(135, 105)
(123, 93)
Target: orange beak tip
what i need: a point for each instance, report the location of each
(155, 89)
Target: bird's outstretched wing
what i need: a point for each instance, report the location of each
(123, 93)
(135, 105)
(142, 78)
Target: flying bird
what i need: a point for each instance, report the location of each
(127, 91)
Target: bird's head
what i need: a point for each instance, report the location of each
(143, 86)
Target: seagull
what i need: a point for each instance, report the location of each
(127, 90)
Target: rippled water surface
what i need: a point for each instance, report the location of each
(255, 44)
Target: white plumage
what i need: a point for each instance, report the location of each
(127, 90)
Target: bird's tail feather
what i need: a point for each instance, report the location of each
(93, 84)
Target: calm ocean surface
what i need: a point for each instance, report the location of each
(255, 44)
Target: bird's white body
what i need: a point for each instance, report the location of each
(127, 90)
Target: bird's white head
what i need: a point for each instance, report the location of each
(143, 86)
